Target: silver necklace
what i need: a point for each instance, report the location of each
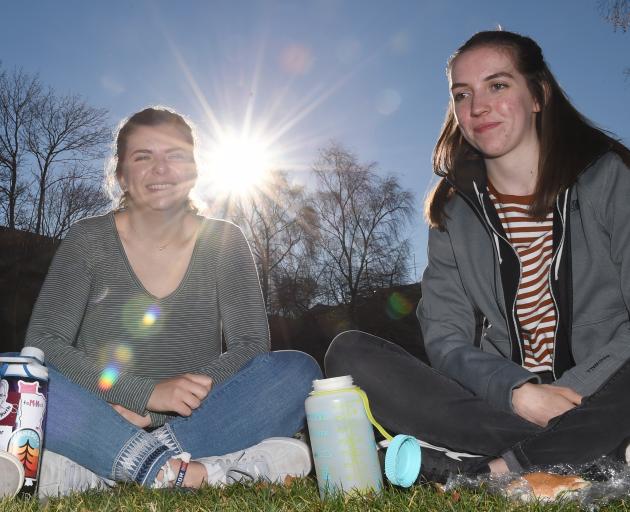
(159, 247)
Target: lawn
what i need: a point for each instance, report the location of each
(300, 495)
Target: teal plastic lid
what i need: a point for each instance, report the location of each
(402, 460)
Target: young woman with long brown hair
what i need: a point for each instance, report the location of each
(525, 308)
(154, 328)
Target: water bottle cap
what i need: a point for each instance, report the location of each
(333, 383)
(402, 460)
(33, 353)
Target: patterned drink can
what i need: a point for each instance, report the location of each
(23, 393)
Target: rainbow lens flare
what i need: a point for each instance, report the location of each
(152, 314)
(108, 378)
(398, 306)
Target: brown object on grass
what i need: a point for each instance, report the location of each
(546, 486)
(288, 481)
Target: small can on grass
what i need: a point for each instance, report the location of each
(23, 395)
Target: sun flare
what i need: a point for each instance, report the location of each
(237, 164)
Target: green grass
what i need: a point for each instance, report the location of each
(302, 495)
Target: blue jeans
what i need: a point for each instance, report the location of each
(264, 399)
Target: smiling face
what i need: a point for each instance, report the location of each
(157, 169)
(493, 106)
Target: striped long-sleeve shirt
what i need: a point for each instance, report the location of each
(98, 325)
(535, 309)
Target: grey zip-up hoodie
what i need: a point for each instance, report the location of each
(473, 274)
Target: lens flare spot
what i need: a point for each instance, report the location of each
(398, 306)
(108, 378)
(142, 317)
(123, 354)
(349, 51)
(388, 102)
(400, 42)
(151, 316)
(296, 59)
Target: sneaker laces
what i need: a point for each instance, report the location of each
(244, 468)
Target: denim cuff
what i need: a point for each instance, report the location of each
(140, 459)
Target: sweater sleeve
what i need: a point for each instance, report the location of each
(57, 318)
(447, 320)
(241, 306)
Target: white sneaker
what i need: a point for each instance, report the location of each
(272, 460)
(59, 476)
(12, 473)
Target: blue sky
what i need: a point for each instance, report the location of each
(369, 74)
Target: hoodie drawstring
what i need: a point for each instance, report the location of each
(496, 242)
(561, 246)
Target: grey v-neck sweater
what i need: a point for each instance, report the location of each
(98, 325)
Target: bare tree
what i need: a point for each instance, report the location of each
(64, 136)
(48, 146)
(616, 12)
(273, 221)
(74, 197)
(295, 289)
(296, 283)
(361, 219)
(19, 91)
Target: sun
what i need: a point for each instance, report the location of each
(237, 164)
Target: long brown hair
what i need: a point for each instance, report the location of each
(569, 142)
